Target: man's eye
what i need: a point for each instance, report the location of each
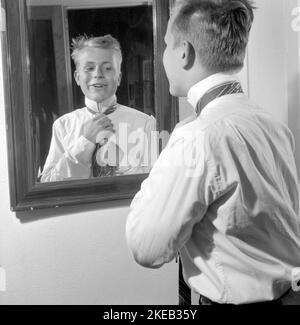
(88, 69)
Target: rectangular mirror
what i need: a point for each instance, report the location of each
(49, 101)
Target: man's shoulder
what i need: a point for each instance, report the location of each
(246, 125)
(135, 113)
(69, 122)
(77, 113)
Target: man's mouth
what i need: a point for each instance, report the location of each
(99, 86)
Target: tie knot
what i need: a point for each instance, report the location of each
(108, 111)
(111, 109)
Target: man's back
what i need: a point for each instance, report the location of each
(251, 228)
(235, 216)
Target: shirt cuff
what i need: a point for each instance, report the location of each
(82, 151)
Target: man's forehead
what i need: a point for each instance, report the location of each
(177, 6)
(169, 33)
(97, 54)
(174, 12)
(171, 20)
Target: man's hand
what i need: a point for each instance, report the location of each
(101, 125)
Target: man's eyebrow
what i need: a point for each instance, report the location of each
(93, 62)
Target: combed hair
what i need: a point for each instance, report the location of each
(104, 42)
(217, 29)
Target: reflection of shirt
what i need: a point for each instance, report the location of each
(70, 153)
(224, 194)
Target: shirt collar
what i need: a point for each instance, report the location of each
(100, 107)
(200, 88)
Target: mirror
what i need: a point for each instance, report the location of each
(48, 109)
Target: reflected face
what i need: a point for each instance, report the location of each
(171, 60)
(98, 73)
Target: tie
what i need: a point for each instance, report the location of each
(184, 291)
(100, 171)
(229, 88)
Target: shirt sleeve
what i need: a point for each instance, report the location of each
(170, 202)
(65, 163)
(142, 156)
(146, 158)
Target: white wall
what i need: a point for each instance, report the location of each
(293, 72)
(274, 64)
(267, 58)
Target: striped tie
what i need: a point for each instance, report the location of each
(184, 290)
(101, 171)
(229, 88)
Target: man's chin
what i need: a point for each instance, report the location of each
(98, 99)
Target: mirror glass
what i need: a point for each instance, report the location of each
(69, 101)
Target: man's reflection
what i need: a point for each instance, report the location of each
(104, 138)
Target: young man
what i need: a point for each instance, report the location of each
(224, 192)
(99, 139)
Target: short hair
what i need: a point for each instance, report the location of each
(102, 42)
(217, 29)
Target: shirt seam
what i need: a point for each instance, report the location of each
(226, 296)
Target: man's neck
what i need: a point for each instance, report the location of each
(201, 87)
(100, 107)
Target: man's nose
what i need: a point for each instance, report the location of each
(98, 73)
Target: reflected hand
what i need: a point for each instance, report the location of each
(98, 128)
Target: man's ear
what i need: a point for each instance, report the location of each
(119, 79)
(188, 55)
(76, 77)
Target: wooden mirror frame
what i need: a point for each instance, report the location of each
(25, 192)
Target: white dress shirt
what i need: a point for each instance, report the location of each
(70, 153)
(224, 193)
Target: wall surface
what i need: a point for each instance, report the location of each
(292, 36)
(274, 63)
